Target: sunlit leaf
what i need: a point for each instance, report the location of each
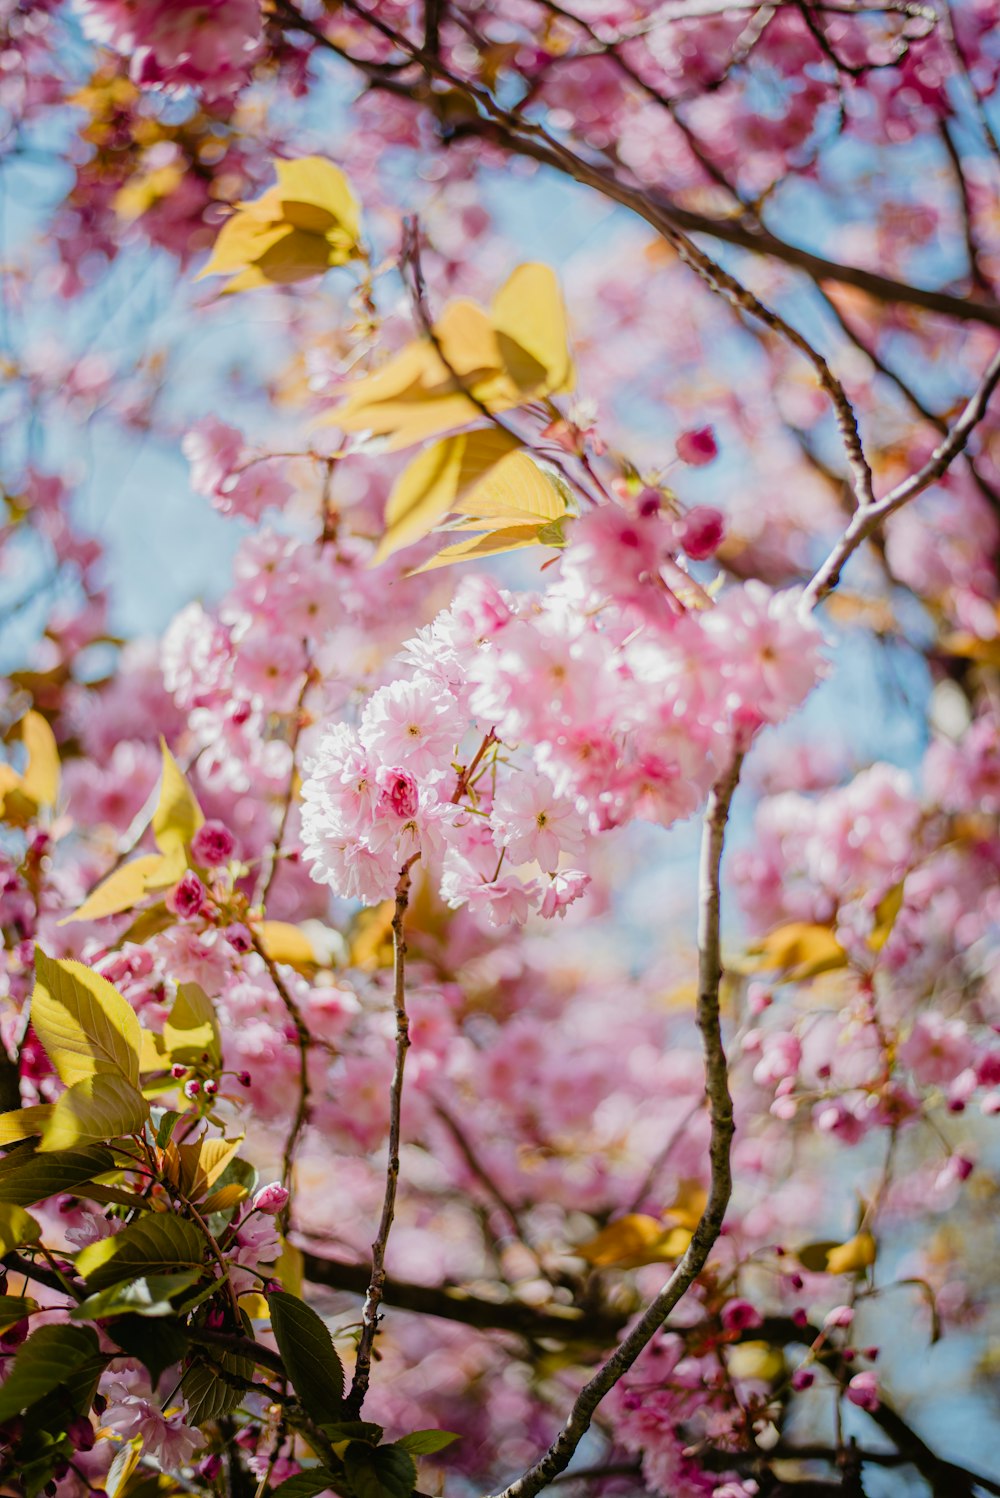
(851, 1257)
(40, 780)
(177, 816)
(15, 1308)
(799, 950)
(530, 320)
(192, 1029)
(511, 538)
(149, 1295)
(286, 943)
(24, 1123)
(202, 1164)
(300, 228)
(129, 885)
(84, 1024)
(160, 1243)
(94, 1109)
(436, 482)
(16, 1227)
(426, 1442)
(633, 1240)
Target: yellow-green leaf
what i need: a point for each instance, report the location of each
(494, 543)
(800, 950)
(886, 911)
(93, 1110)
(307, 223)
(530, 321)
(202, 1164)
(84, 1024)
(24, 1123)
(40, 780)
(284, 942)
(130, 884)
(16, 1227)
(227, 1196)
(177, 816)
(851, 1257)
(192, 1029)
(437, 480)
(633, 1240)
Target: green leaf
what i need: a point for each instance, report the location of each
(84, 1024)
(208, 1393)
(16, 1227)
(158, 1344)
(426, 1442)
(147, 1296)
(165, 1127)
(159, 1243)
(96, 1108)
(311, 1362)
(27, 1177)
(379, 1471)
(24, 1123)
(48, 1359)
(305, 1484)
(339, 1431)
(14, 1308)
(192, 1029)
(178, 815)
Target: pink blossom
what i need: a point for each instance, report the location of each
(697, 447)
(188, 896)
(700, 532)
(740, 1315)
(212, 844)
(270, 1199)
(414, 724)
(532, 823)
(937, 1049)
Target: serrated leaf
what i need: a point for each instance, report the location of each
(129, 885)
(511, 538)
(476, 360)
(92, 1110)
(84, 1024)
(437, 481)
(224, 1199)
(40, 780)
(311, 1362)
(149, 1295)
(24, 1123)
(27, 1177)
(203, 1163)
(177, 816)
(379, 1471)
(300, 228)
(157, 1343)
(160, 1243)
(426, 1442)
(208, 1394)
(530, 320)
(14, 1308)
(16, 1227)
(192, 1028)
(305, 1484)
(49, 1356)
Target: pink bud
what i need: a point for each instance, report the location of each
(803, 1378)
(270, 1199)
(839, 1316)
(863, 1390)
(244, 1078)
(739, 1315)
(192, 1088)
(212, 844)
(81, 1433)
(238, 937)
(187, 898)
(697, 447)
(701, 532)
(211, 1087)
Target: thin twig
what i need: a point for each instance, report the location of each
(376, 1285)
(560, 1453)
(303, 1040)
(869, 516)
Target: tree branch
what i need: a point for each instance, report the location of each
(560, 1453)
(869, 516)
(376, 1285)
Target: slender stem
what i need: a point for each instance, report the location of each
(869, 516)
(303, 1040)
(376, 1285)
(561, 1451)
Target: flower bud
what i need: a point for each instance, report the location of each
(212, 844)
(270, 1199)
(697, 447)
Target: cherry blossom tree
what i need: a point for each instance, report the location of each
(501, 755)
